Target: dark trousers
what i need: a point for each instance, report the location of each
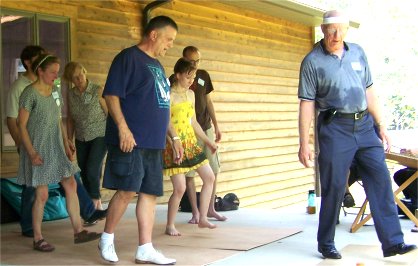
(28, 196)
(90, 155)
(340, 142)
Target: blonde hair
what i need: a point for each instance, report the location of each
(70, 69)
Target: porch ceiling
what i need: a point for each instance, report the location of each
(286, 9)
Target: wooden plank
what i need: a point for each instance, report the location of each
(255, 117)
(259, 153)
(255, 107)
(251, 88)
(253, 98)
(267, 125)
(259, 134)
(113, 16)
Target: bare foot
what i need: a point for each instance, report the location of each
(206, 224)
(217, 216)
(194, 220)
(172, 231)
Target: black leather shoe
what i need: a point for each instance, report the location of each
(330, 252)
(400, 249)
(97, 215)
(348, 201)
(28, 233)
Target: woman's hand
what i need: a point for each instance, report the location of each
(70, 152)
(212, 146)
(35, 159)
(178, 151)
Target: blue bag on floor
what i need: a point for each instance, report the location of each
(55, 207)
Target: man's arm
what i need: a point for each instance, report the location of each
(212, 114)
(306, 113)
(373, 106)
(126, 138)
(14, 130)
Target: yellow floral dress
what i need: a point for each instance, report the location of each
(194, 157)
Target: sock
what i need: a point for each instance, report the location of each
(145, 248)
(107, 237)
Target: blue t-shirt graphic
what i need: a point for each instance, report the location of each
(144, 92)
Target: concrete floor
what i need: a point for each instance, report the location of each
(301, 248)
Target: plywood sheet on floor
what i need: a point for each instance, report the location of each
(371, 255)
(207, 246)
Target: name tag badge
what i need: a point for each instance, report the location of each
(201, 82)
(356, 66)
(56, 97)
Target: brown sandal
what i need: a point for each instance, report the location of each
(85, 236)
(43, 246)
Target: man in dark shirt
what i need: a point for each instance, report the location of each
(205, 115)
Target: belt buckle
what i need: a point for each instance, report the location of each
(357, 116)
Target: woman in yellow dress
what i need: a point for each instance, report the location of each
(184, 121)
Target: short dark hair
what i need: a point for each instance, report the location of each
(158, 23)
(183, 66)
(190, 49)
(43, 61)
(30, 52)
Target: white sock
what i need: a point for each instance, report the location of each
(107, 237)
(145, 248)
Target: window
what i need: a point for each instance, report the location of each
(19, 29)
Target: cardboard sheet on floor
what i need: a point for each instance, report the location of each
(225, 236)
(371, 255)
(195, 246)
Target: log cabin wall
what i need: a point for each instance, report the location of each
(253, 60)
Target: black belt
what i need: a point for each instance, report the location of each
(355, 116)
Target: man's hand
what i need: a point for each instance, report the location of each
(306, 157)
(126, 139)
(218, 135)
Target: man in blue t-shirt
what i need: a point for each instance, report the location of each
(335, 79)
(137, 94)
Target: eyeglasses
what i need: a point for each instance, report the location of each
(333, 30)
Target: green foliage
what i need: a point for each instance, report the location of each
(401, 115)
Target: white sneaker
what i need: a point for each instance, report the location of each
(154, 257)
(107, 251)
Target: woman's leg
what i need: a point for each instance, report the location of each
(83, 148)
(73, 208)
(179, 186)
(208, 178)
(96, 153)
(191, 194)
(41, 196)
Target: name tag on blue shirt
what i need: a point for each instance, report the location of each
(356, 66)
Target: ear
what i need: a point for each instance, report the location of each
(154, 35)
(27, 63)
(323, 28)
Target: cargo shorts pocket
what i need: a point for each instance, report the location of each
(122, 163)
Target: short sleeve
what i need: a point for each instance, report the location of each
(27, 99)
(307, 81)
(209, 85)
(118, 76)
(12, 105)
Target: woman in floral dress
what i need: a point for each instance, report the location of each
(184, 121)
(45, 156)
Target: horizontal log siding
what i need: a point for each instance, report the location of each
(253, 60)
(254, 64)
